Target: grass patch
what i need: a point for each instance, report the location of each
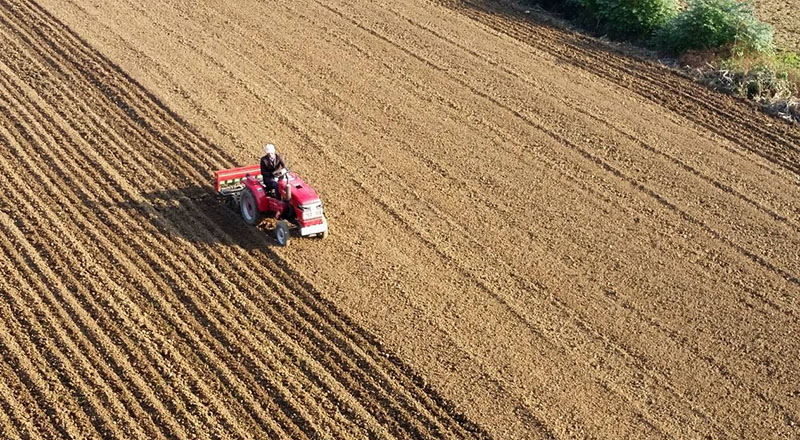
(772, 80)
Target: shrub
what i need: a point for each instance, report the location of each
(623, 18)
(635, 18)
(711, 24)
(772, 80)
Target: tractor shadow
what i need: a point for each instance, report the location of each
(198, 215)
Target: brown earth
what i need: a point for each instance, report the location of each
(532, 236)
(784, 16)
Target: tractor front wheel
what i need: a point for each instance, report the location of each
(250, 213)
(282, 233)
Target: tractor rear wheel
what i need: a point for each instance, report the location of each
(249, 208)
(282, 233)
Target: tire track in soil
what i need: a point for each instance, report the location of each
(780, 145)
(723, 370)
(581, 109)
(506, 137)
(587, 155)
(97, 312)
(438, 167)
(360, 184)
(150, 289)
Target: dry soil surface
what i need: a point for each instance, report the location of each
(784, 16)
(531, 236)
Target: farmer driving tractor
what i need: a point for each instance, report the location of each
(295, 207)
(272, 164)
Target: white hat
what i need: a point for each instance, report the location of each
(270, 149)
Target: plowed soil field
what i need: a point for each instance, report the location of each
(531, 235)
(784, 16)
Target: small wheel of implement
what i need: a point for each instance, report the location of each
(282, 233)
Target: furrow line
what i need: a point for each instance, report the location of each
(13, 418)
(145, 289)
(565, 97)
(91, 311)
(79, 322)
(82, 330)
(147, 96)
(33, 370)
(192, 400)
(725, 123)
(320, 316)
(298, 331)
(417, 197)
(110, 103)
(50, 417)
(155, 118)
(78, 374)
(37, 415)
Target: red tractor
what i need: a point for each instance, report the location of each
(298, 206)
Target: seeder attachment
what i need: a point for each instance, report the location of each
(230, 182)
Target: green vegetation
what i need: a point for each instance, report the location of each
(715, 24)
(623, 18)
(674, 27)
(765, 78)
